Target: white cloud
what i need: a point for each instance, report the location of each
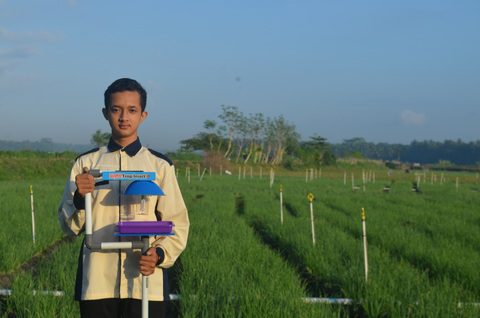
(412, 118)
(17, 52)
(14, 36)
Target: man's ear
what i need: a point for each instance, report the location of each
(105, 113)
(144, 116)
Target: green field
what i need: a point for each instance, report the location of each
(241, 261)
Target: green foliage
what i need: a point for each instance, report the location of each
(241, 261)
(428, 151)
(100, 138)
(34, 165)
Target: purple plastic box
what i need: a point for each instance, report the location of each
(142, 227)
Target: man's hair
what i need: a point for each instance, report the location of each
(122, 85)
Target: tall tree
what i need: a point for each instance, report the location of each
(230, 117)
(100, 138)
(255, 124)
(210, 125)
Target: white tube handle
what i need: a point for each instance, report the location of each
(88, 213)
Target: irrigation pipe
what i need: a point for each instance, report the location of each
(55, 293)
(333, 301)
(177, 297)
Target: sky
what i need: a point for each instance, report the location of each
(387, 71)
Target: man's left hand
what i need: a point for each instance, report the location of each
(148, 262)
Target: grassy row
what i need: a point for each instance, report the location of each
(241, 262)
(16, 243)
(56, 272)
(228, 272)
(399, 277)
(415, 232)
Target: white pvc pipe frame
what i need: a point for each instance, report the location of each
(116, 245)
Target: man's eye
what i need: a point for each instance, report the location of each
(133, 110)
(113, 110)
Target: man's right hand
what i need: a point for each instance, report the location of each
(85, 183)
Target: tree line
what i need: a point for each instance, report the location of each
(423, 152)
(258, 139)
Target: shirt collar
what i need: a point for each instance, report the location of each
(131, 149)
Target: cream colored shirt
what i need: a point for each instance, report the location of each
(115, 273)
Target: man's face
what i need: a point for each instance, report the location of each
(125, 116)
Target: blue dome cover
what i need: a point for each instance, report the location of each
(143, 187)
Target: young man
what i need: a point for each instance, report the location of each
(109, 282)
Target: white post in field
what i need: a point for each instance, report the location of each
(203, 173)
(272, 177)
(364, 237)
(239, 173)
(198, 169)
(364, 177)
(281, 204)
(310, 198)
(344, 177)
(456, 183)
(33, 214)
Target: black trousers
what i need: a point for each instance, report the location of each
(121, 308)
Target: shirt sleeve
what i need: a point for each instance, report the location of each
(71, 218)
(171, 207)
